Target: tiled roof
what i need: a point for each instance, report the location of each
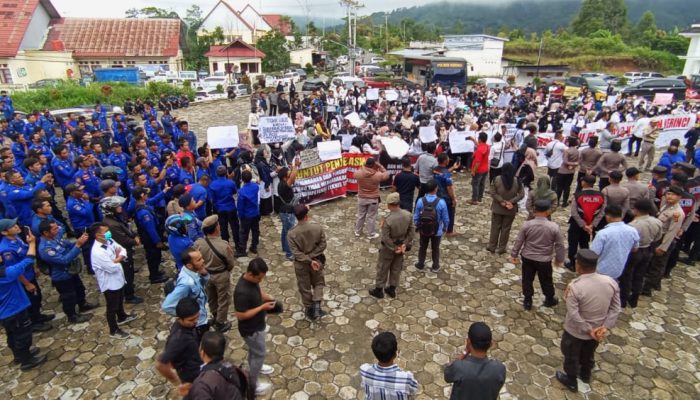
(237, 48)
(275, 21)
(14, 21)
(127, 37)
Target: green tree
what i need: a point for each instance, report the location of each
(198, 45)
(596, 15)
(150, 12)
(194, 17)
(647, 22)
(276, 54)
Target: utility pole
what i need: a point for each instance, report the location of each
(352, 6)
(539, 56)
(386, 32)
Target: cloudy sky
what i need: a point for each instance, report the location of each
(326, 8)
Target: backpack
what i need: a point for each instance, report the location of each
(428, 220)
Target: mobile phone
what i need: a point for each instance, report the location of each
(25, 231)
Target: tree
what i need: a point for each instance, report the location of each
(150, 12)
(193, 17)
(647, 22)
(198, 45)
(276, 54)
(596, 15)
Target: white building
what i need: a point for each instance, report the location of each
(692, 59)
(240, 20)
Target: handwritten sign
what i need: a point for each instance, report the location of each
(391, 95)
(346, 141)
(503, 100)
(571, 91)
(427, 134)
(662, 99)
(329, 150)
(309, 158)
(459, 142)
(395, 147)
(222, 137)
(373, 94)
(355, 120)
(275, 129)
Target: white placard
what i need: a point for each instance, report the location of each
(373, 94)
(427, 134)
(503, 100)
(355, 120)
(395, 147)
(309, 158)
(329, 150)
(391, 95)
(275, 129)
(459, 142)
(346, 141)
(610, 101)
(222, 137)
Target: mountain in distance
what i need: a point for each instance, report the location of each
(531, 15)
(301, 21)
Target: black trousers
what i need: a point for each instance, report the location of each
(632, 277)
(422, 190)
(603, 182)
(434, 250)
(451, 215)
(577, 238)
(19, 334)
(71, 292)
(657, 267)
(632, 140)
(578, 356)
(564, 187)
(672, 258)
(115, 308)
(248, 225)
(552, 173)
(35, 300)
(86, 250)
(692, 241)
(543, 270)
(154, 257)
(230, 219)
(128, 267)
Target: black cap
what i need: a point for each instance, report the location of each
(679, 177)
(687, 168)
(675, 190)
(480, 335)
(587, 257)
(633, 171)
(659, 170)
(542, 205)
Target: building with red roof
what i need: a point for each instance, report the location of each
(235, 57)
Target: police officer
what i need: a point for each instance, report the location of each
(60, 254)
(13, 250)
(308, 242)
(218, 260)
(586, 214)
(397, 238)
(81, 215)
(14, 314)
(150, 234)
(659, 184)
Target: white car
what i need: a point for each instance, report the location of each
(376, 60)
(211, 82)
(292, 77)
(492, 83)
(342, 60)
(347, 82)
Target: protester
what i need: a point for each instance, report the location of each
(406, 183)
(385, 379)
(368, 178)
(479, 169)
(565, 173)
(443, 177)
(191, 282)
(506, 192)
(431, 219)
(288, 201)
(218, 379)
(474, 375)
(249, 213)
(554, 152)
(614, 243)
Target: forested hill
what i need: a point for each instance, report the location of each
(533, 15)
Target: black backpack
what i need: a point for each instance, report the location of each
(428, 219)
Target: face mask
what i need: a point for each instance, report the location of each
(108, 235)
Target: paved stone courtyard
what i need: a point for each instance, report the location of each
(651, 354)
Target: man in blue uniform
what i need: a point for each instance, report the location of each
(200, 196)
(222, 191)
(14, 314)
(178, 240)
(81, 215)
(150, 235)
(249, 211)
(61, 255)
(20, 195)
(62, 167)
(194, 224)
(12, 251)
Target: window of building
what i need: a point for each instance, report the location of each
(251, 68)
(215, 66)
(117, 64)
(131, 62)
(5, 74)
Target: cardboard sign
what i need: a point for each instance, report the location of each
(662, 99)
(329, 150)
(355, 120)
(391, 95)
(346, 141)
(222, 137)
(459, 142)
(309, 158)
(275, 129)
(571, 91)
(373, 94)
(610, 102)
(427, 134)
(395, 147)
(503, 100)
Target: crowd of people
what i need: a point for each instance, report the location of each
(143, 179)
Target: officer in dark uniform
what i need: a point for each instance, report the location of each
(150, 233)
(690, 243)
(659, 184)
(687, 203)
(60, 254)
(81, 215)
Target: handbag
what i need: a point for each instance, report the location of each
(500, 156)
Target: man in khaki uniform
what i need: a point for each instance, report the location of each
(218, 260)
(397, 239)
(308, 242)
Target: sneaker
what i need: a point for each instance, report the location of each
(377, 292)
(119, 334)
(358, 234)
(239, 254)
(129, 318)
(32, 352)
(253, 250)
(435, 269)
(134, 300)
(46, 317)
(527, 304)
(262, 388)
(41, 327)
(267, 369)
(551, 302)
(373, 236)
(159, 279)
(34, 361)
(565, 380)
(419, 266)
(222, 327)
(390, 291)
(87, 307)
(78, 318)
(289, 257)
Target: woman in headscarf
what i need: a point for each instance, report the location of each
(543, 191)
(277, 162)
(262, 163)
(526, 174)
(506, 192)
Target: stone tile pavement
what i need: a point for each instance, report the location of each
(651, 354)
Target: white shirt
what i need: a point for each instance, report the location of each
(557, 158)
(495, 152)
(109, 275)
(639, 126)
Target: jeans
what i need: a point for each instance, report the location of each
(230, 219)
(288, 222)
(366, 211)
(71, 292)
(578, 356)
(115, 308)
(478, 184)
(19, 334)
(248, 225)
(434, 248)
(256, 354)
(632, 140)
(543, 270)
(633, 274)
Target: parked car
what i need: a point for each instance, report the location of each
(211, 82)
(41, 83)
(347, 82)
(239, 89)
(492, 83)
(302, 73)
(376, 60)
(292, 77)
(592, 74)
(645, 75)
(313, 84)
(632, 76)
(648, 88)
(342, 60)
(550, 80)
(596, 85)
